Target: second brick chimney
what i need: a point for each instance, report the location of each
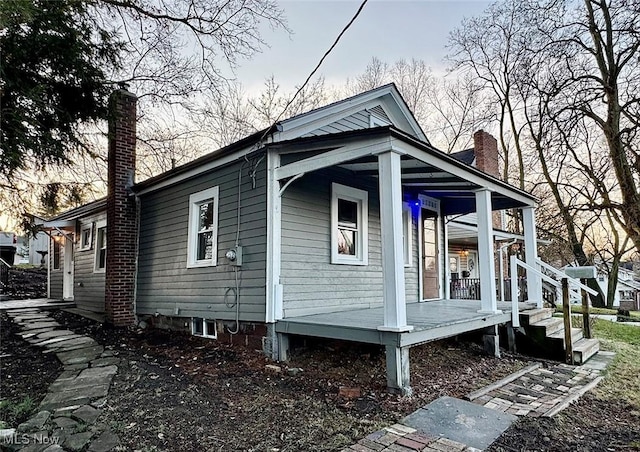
(121, 211)
(485, 148)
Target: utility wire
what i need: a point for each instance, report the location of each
(326, 54)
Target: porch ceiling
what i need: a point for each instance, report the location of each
(424, 169)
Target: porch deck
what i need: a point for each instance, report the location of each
(431, 321)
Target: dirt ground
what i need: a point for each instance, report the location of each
(25, 374)
(175, 392)
(589, 425)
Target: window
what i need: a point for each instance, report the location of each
(86, 236)
(349, 225)
(202, 247)
(100, 261)
(204, 327)
(407, 228)
(56, 252)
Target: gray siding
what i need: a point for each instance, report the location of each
(164, 282)
(88, 287)
(356, 121)
(55, 276)
(311, 284)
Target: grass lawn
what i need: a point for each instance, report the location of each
(577, 309)
(622, 380)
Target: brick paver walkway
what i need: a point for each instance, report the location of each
(400, 438)
(540, 392)
(534, 391)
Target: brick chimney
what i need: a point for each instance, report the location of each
(121, 210)
(485, 148)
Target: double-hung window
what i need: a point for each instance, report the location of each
(86, 236)
(202, 247)
(56, 253)
(349, 225)
(100, 261)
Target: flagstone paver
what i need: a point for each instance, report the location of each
(68, 414)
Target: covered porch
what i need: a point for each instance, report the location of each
(431, 321)
(405, 172)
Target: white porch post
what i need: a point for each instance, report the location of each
(486, 258)
(395, 312)
(534, 282)
(447, 271)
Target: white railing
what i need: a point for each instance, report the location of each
(514, 264)
(575, 286)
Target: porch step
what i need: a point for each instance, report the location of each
(535, 315)
(558, 336)
(549, 325)
(585, 349)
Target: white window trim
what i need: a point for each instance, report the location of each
(96, 254)
(407, 238)
(86, 227)
(361, 197)
(192, 244)
(205, 329)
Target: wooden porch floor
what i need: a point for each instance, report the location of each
(431, 320)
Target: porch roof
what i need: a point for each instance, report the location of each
(424, 169)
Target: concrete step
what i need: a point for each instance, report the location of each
(558, 336)
(549, 325)
(585, 349)
(532, 316)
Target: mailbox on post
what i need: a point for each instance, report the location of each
(581, 272)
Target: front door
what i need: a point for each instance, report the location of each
(67, 279)
(430, 267)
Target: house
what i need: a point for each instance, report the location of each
(627, 294)
(328, 224)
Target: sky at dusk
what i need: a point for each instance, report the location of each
(388, 30)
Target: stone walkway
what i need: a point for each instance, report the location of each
(450, 425)
(68, 416)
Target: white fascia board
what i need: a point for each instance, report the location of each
(334, 157)
(355, 103)
(468, 176)
(299, 126)
(409, 116)
(57, 224)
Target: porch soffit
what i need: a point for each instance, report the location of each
(422, 172)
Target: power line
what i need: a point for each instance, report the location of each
(326, 54)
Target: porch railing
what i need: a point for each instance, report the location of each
(4, 275)
(465, 289)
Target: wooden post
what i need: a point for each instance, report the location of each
(393, 289)
(534, 281)
(566, 314)
(586, 323)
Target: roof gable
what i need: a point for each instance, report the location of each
(378, 107)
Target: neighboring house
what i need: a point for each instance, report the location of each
(328, 224)
(627, 295)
